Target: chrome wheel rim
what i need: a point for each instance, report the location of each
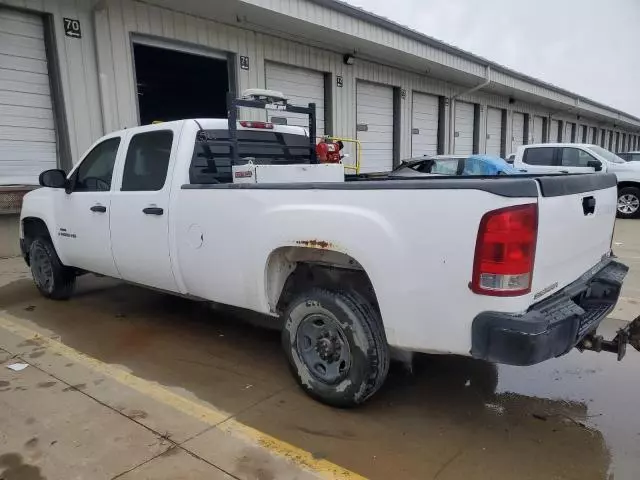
(628, 204)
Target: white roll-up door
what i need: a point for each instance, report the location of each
(463, 137)
(553, 132)
(424, 125)
(301, 87)
(568, 128)
(581, 134)
(374, 126)
(538, 123)
(494, 131)
(27, 132)
(517, 131)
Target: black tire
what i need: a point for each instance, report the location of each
(359, 334)
(628, 199)
(51, 277)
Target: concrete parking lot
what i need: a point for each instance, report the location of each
(128, 383)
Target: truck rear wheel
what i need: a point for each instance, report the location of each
(628, 202)
(51, 277)
(336, 346)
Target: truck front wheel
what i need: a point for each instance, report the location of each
(51, 277)
(628, 202)
(336, 346)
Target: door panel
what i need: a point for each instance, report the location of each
(374, 126)
(140, 210)
(494, 131)
(554, 132)
(27, 130)
(574, 160)
(424, 125)
(83, 214)
(301, 87)
(517, 131)
(463, 136)
(537, 130)
(568, 128)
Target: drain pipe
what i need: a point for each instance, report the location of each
(452, 110)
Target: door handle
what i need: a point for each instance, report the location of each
(98, 208)
(564, 171)
(153, 211)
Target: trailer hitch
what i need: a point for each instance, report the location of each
(627, 335)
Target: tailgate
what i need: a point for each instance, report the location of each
(576, 216)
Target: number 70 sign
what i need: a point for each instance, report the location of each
(72, 28)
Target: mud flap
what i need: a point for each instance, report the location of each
(618, 345)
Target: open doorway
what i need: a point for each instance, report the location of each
(173, 85)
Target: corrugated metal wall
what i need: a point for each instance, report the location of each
(78, 70)
(98, 78)
(120, 18)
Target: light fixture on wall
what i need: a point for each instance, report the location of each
(348, 59)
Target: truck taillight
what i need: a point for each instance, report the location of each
(505, 251)
(264, 125)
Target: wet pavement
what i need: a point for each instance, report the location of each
(569, 418)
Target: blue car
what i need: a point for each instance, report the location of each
(457, 165)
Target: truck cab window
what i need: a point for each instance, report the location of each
(539, 156)
(95, 172)
(573, 157)
(147, 161)
(211, 161)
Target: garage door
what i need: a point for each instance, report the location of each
(301, 87)
(374, 126)
(568, 129)
(517, 131)
(553, 133)
(27, 135)
(538, 123)
(581, 138)
(494, 131)
(424, 125)
(463, 137)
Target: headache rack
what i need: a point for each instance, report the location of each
(268, 100)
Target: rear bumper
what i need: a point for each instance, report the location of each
(553, 326)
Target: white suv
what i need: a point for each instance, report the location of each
(584, 158)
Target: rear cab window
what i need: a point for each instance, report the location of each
(540, 156)
(211, 161)
(147, 161)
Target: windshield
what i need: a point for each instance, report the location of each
(606, 154)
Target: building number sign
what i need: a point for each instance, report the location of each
(244, 63)
(339, 81)
(72, 28)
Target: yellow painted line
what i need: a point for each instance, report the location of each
(207, 414)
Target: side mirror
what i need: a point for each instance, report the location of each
(595, 164)
(53, 178)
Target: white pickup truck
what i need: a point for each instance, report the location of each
(584, 158)
(510, 269)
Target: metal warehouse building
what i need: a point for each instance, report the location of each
(72, 70)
